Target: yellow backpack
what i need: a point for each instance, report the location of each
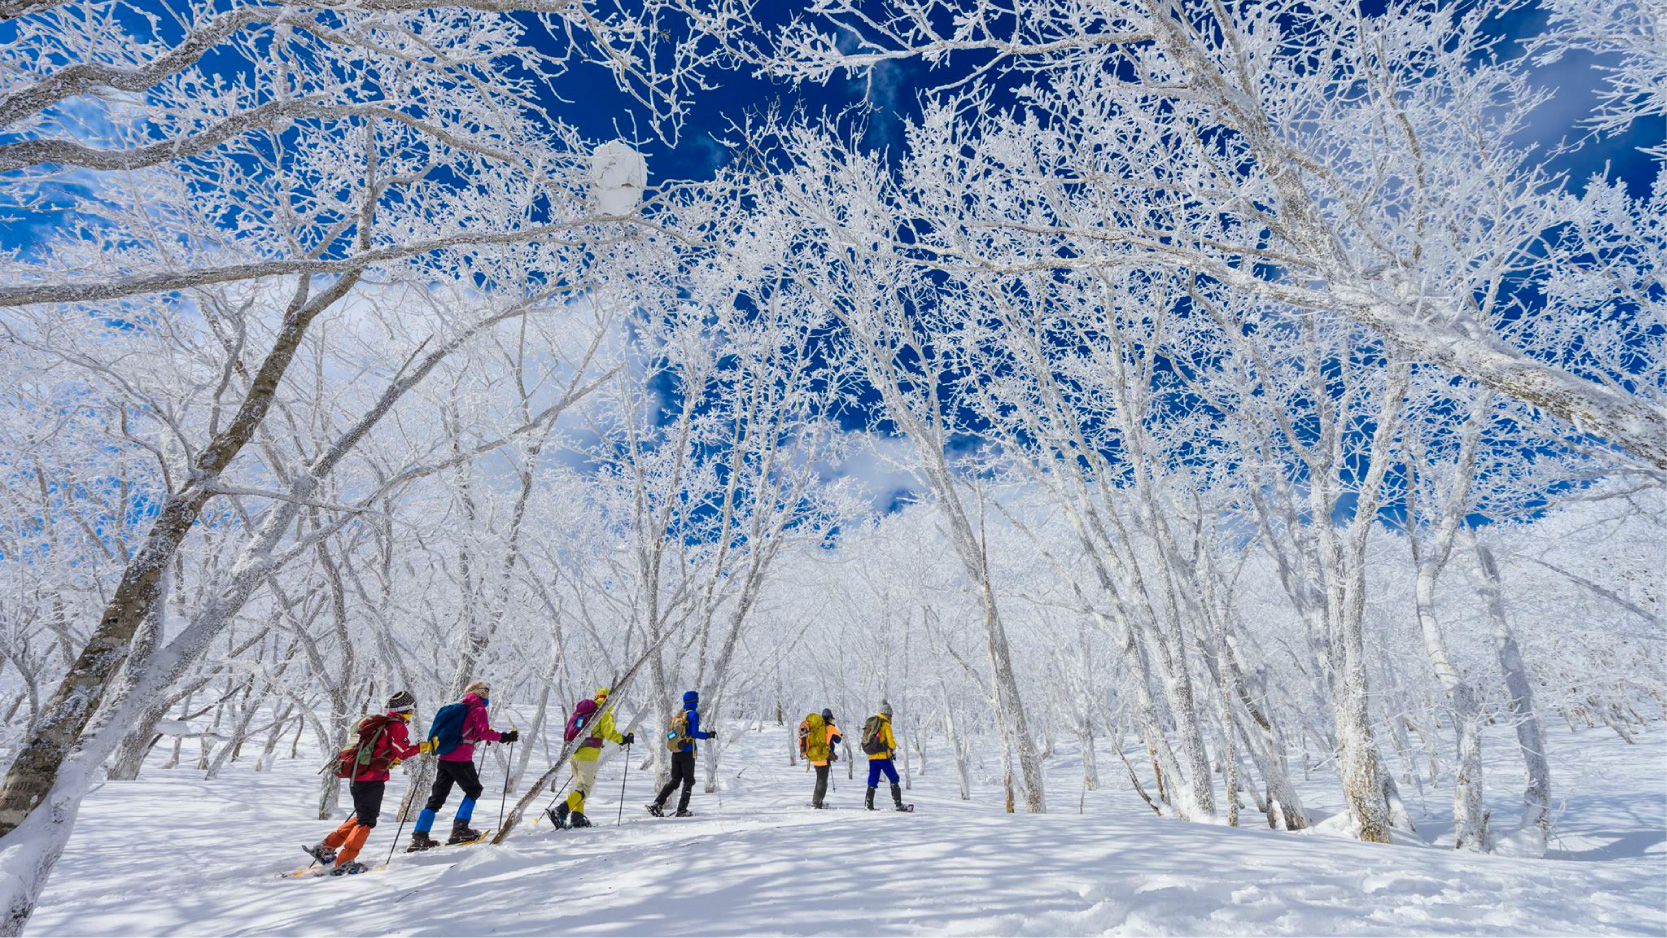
(677, 735)
(813, 738)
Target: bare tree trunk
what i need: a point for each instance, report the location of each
(173, 759)
(1012, 705)
(34, 773)
(1469, 822)
(1357, 756)
(1090, 766)
(129, 759)
(957, 748)
(239, 732)
(269, 753)
(1536, 799)
(903, 747)
(540, 718)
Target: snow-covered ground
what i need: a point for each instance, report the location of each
(172, 854)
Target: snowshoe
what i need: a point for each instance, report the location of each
(420, 841)
(684, 812)
(655, 810)
(463, 835)
(350, 868)
(558, 816)
(324, 855)
(906, 807)
(577, 820)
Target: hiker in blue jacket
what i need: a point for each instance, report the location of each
(685, 727)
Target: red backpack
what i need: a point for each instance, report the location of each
(579, 719)
(364, 755)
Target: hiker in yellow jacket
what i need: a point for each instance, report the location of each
(881, 745)
(596, 720)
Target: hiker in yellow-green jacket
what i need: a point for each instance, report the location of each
(880, 745)
(593, 720)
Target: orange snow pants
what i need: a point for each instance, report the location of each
(350, 838)
(347, 840)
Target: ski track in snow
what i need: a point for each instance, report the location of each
(172, 854)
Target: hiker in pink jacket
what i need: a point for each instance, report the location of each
(457, 766)
(476, 728)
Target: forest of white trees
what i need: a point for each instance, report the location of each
(1237, 391)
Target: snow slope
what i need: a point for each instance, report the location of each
(171, 854)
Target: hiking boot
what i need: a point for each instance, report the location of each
(684, 812)
(656, 810)
(324, 855)
(868, 802)
(897, 798)
(461, 833)
(577, 820)
(558, 817)
(349, 868)
(420, 841)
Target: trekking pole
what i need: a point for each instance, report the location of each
(623, 776)
(395, 845)
(505, 797)
(402, 819)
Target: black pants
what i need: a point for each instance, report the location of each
(461, 773)
(821, 785)
(682, 773)
(367, 801)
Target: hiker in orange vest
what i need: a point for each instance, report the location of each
(817, 738)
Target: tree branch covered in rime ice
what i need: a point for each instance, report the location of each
(1628, 42)
(373, 154)
(1242, 394)
(1385, 189)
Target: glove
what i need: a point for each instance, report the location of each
(509, 736)
(711, 734)
(395, 764)
(426, 747)
(629, 739)
(833, 756)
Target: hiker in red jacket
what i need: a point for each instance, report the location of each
(393, 745)
(457, 766)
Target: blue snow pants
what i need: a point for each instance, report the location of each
(875, 767)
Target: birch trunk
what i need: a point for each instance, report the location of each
(1469, 821)
(1090, 769)
(1536, 798)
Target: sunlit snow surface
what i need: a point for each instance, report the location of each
(171, 854)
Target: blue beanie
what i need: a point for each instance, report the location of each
(691, 697)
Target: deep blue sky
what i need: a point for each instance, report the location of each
(601, 111)
(600, 108)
